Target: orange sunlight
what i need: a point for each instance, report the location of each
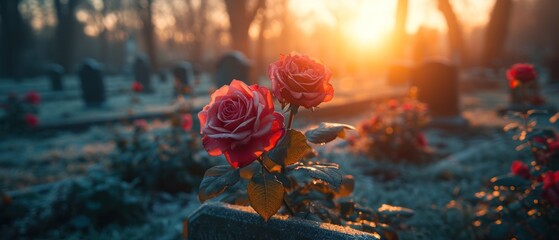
(364, 30)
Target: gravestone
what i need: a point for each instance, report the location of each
(92, 83)
(437, 86)
(55, 73)
(213, 221)
(142, 72)
(233, 65)
(554, 69)
(182, 75)
(398, 74)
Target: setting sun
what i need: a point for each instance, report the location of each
(371, 24)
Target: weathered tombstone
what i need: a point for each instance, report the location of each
(233, 65)
(55, 73)
(554, 69)
(142, 72)
(92, 83)
(398, 74)
(227, 222)
(437, 86)
(182, 74)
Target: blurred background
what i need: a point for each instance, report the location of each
(357, 38)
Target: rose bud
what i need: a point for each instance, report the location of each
(137, 87)
(521, 73)
(551, 187)
(300, 80)
(240, 122)
(186, 122)
(31, 120)
(421, 140)
(32, 98)
(520, 169)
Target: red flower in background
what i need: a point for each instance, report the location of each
(298, 79)
(141, 124)
(186, 122)
(240, 122)
(551, 187)
(32, 97)
(393, 104)
(421, 140)
(520, 169)
(520, 73)
(137, 87)
(31, 120)
(537, 100)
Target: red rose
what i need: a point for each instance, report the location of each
(240, 122)
(554, 145)
(140, 124)
(521, 73)
(393, 104)
(421, 140)
(32, 98)
(551, 187)
(137, 87)
(186, 122)
(407, 107)
(520, 169)
(31, 120)
(299, 80)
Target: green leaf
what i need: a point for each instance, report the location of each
(509, 181)
(327, 132)
(265, 194)
(291, 148)
(216, 180)
(328, 173)
(389, 211)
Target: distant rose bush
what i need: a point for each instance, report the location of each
(297, 79)
(240, 122)
(551, 187)
(186, 122)
(520, 73)
(137, 87)
(31, 120)
(32, 97)
(520, 169)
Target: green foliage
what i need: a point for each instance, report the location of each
(514, 205)
(216, 180)
(394, 133)
(167, 160)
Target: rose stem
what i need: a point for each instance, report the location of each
(291, 116)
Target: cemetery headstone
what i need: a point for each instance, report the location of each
(182, 74)
(233, 65)
(55, 73)
(398, 74)
(142, 72)
(554, 69)
(228, 222)
(437, 86)
(92, 83)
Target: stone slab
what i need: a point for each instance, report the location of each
(219, 221)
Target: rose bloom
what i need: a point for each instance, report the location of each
(300, 80)
(393, 104)
(137, 87)
(186, 122)
(421, 140)
(551, 187)
(140, 125)
(31, 120)
(240, 122)
(520, 169)
(521, 73)
(32, 98)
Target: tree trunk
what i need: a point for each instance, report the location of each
(149, 35)
(400, 28)
(15, 36)
(240, 18)
(496, 32)
(65, 32)
(455, 35)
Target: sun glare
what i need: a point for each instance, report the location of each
(371, 24)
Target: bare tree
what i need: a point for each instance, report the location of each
(240, 18)
(148, 31)
(455, 35)
(15, 37)
(197, 20)
(400, 27)
(496, 31)
(65, 31)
